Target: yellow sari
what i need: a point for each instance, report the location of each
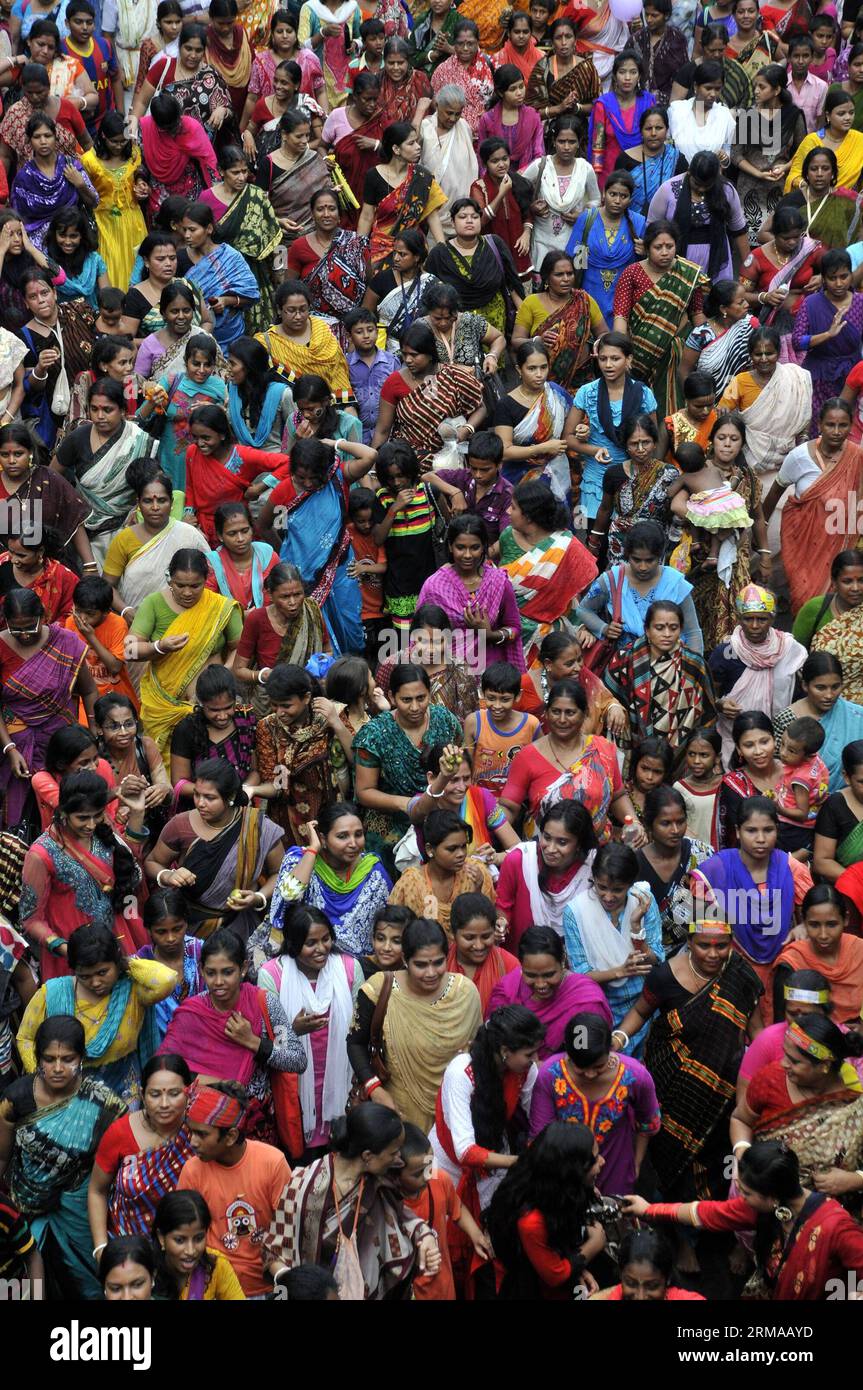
(321, 355)
(162, 692)
(849, 158)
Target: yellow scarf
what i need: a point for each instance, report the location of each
(162, 692)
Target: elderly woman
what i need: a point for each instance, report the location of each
(468, 69)
(756, 668)
(447, 148)
(662, 683)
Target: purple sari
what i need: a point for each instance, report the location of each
(761, 921)
(496, 596)
(829, 363)
(36, 701)
(575, 994)
(38, 198)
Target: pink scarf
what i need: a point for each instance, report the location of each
(197, 1032)
(167, 156)
(767, 682)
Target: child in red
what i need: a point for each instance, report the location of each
(104, 632)
(370, 563)
(804, 784)
(433, 1198)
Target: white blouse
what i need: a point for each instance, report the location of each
(715, 135)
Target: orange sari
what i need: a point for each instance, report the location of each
(845, 975)
(816, 526)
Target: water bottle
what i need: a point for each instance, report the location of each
(630, 831)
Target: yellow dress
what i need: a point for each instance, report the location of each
(118, 217)
(151, 982)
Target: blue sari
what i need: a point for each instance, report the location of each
(191, 983)
(670, 586)
(225, 271)
(317, 542)
(84, 284)
(49, 1173)
(649, 174)
(761, 921)
(185, 395)
(604, 261)
(350, 904)
(842, 725)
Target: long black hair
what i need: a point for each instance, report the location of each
(174, 1210)
(252, 391)
(552, 1177)
(706, 168)
(513, 1027)
(85, 791)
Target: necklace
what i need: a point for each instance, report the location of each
(564, 766)
(696, 973)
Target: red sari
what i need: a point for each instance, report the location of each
(209, 482)
(55, 587)
(811, 539)
(496, 964)
(507, 223)
(399, 103)
(356, 163)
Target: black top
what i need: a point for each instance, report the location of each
(509, 411)
(613, 478)
(375, 188)
(136, 306)
(835, 820)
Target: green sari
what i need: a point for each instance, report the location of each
(654, 327)
(250, 225)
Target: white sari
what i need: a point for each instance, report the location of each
(774, 423)
(105, 488)
(552, 232)
(145, 572)
(452, 159)
(332, 993)
(12, 354)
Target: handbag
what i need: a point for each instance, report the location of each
(440, 525)
(377, 1060)
(599, 655)
(286, 1097)
(492, 393)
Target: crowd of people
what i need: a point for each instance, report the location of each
(431, 734)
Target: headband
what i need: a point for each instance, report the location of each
(809, 1045)
(806, 996)
(211, 1107)
(712, 929)
(754, 599)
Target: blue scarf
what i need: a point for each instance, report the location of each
(269, 410)
(762, 934)
(261, 556)
(60, 999)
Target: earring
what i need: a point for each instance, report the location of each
(783, 1213)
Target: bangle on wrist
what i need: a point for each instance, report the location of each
(310, 851)
(279, 1272)
(372, 1085)
(261, 680)
(97, 1248)
(34, 376)
(263, 898)
(741, 1144)
(159, 883)
(619, 1033)
(6, 747)
(159, 649)
(127, 609)
(435, 796)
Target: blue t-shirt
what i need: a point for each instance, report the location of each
(591, 480)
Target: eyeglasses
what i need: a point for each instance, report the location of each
(121, 728)
(26, 631)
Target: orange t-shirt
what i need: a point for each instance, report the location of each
(111, 634)
(437, 1205)
(372, 586)
(242, 1200)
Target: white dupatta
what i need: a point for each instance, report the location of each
(546, 909)
(451, 158)
(607, 946)
(555, 470)
(782, 412)
(333, 993)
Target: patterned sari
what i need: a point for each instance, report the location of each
(654, 327)
(450, 391)
(570, 361)
(545, 88)
(843, 637)
(545, 420)
(666, 697)
(826, 1132)
(249, 224)
(415, 199)
(590, 780)
(399, 103)
(693, 1054)
(163, 687)
(290, 190)
(643, 497)
(302, 759)
(36, 702)
(338, 282)
(547, 581)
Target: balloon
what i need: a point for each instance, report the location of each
(625, 10)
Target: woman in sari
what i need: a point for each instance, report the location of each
(662, 683)
(289, 628)
(547, 566)
(652, 162)
(416, 400)
(142, 1154)
(430, 647)
(706, 997)
(26, 485)
(614, 119)
(719, 347)
(806, 1244)
(567, 320)
(292, 174)
(828, 468)
(568, 764)
(530, 423)
(48, 182)
(476, 596)
(641, 580)
(221, 274)
(59, 339)
(774, 128)
(468, 69)
(304, 344)
(332, 262)
(138, 555)
(387, 756)
(97, 455)
(805, 1102)
(774, 400)
(603, 241)
(80, 872)
(259, 1039)
(51, 1124)
(29, 564)
(841, 636)
(398, 195)
(179, 630)
(405, 94)
(229, 51)
(397, 295)
(164, 351)
(218, 469)
(177, 153)
(652, 300)
(430, 1015)
(544, 984)
(333, 875)
(831, 214)
(828, 949)
(353, 133)
(44, 674)
(564, 82)
(283, 47)
(114, 998)
(224, 855)
(837, 134)
(188, 77)
(667, 859)
(327, 27)
(354, 1184)
(633, 491)
(751, 46)
(707, 213)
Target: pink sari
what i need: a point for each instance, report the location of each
(197, 1032)
(495, 596)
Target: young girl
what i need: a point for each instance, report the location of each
(177, 397)
(650, 767)
(702, 775)
(615, 116)
(318, 416)
(823, 35)
(165, 916)
(186, 1268)
(594, 425)
(114, 165)
(387, 930)
(446, 871)
(709, 503)
(692, 424)
(508, 118)
(70, 243)
(239, 565)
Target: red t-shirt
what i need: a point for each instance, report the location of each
(439, 1204)
(260, 643)
(371, 587)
